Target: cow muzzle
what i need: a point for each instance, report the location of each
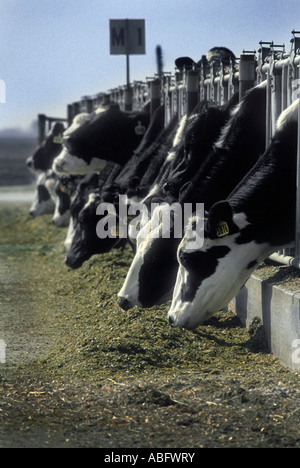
(124, 303)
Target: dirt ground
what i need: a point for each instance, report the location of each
(80, 372)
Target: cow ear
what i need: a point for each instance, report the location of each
(220, 220)
(58, 128)
(184, 62)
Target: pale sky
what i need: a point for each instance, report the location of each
(55, 51)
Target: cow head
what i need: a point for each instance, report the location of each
(44, 156)
(105, 135)
(211, 275)
(85, 241)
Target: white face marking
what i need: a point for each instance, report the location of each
(61, 220)
(50, 186)
(130, 288)
(150, 231)
(66, 163)
(39, 208)
(77, 122)
(70, 235)
(42, 208)
(218, 289)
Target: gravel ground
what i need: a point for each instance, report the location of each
(80, 372)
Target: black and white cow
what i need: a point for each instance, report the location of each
(45, 154)
(259, 219)
(143, 160)
(107, 134)
(43, 203)
(82, 241)
(134, 179)
(152, 274)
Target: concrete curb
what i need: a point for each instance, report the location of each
(279, 312)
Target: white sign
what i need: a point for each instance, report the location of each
(127, 37)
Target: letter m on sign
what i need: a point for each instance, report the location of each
(127, 37)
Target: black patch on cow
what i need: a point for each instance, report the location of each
(139, 173)
(43, 194)
(158, 273)
(109, 135)
(225, 167)
(268, 194)
(45, 154)
(86, 243)
(220, 212)
(200, 132)
(199, 265)
(252, 264)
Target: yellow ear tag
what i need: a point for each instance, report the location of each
(222, 229)
(64, 189)
(58, 139)
(140, 129)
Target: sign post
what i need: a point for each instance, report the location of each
(127, 37)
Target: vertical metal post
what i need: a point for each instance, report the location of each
(297, 234)
(192, 90)
(268, 110)
(277, 91)
(155, 93)
(41, 125)
(128, 90)
(70, 114)
(284, 104)
(127, 70)
(128, 99)
(202, 87)
(247, 73)
(166, 99)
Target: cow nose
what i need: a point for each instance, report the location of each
(171, 320)
(124, 303)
